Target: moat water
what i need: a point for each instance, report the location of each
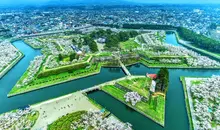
(176, 114)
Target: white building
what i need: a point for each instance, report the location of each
(153, 86)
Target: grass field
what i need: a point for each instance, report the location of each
(128, 45)
(140, 85)
(145, 108)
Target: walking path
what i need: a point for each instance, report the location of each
(124, 68)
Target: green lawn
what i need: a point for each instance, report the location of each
(143, 107)
(104, 54)
(55, 79)
(140, 85)
(128, 45)
(33, 118)
(64, 123)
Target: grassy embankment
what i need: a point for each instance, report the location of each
(11, 65)
(148, 109)
(187, 44)
(39, 83)
(182, 79)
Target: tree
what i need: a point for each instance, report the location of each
(60, 57)
(150, 98)
(123, 36)
(162, 80)
(199, 40)
(72, 56)
(73, 41)
(93, 46)
(155, 103)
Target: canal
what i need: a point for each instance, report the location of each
(176, 115)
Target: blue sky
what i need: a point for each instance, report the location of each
(16, 2)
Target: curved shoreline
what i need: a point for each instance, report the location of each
(198, 50)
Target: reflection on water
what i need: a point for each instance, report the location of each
(114, 70)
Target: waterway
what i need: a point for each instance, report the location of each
(176, 115)
(171, 39)
(10, 79)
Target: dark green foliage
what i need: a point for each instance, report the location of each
(150, 98)
(91, 43)
(60, 57)
(64, 122)
(72, 56)
(60, 70)
(107, 25)
(162, 80)
(74, 41)
(123, 36)
(112, 41)
(155, 103)
(148, 26)
(133, 33)
(93, 46)
(199, 40)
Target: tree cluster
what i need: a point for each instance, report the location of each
(112, 38)
(149, 26)
(87, 40)
(199, 40)
(72, 56)
(162, 80)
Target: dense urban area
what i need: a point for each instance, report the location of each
(64, 46)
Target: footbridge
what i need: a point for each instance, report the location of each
(124, 68)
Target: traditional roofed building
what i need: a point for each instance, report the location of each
(152, 76)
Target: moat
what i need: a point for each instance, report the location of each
(176, 114)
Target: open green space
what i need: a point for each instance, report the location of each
(148, 108)
(140, 85)
(64, 123)
(33, 117)
(104, 54)
(38, 83)
(129, 44)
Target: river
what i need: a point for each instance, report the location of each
(176, 115)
